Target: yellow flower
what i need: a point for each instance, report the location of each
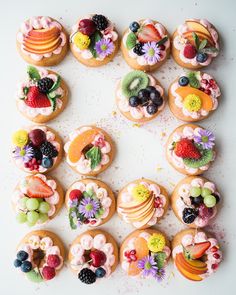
(140, 193)
(81, 41)
(20, 138)
(192, 103)
(156, 242)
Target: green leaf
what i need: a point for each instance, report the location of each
(193, 79)
(196, 40)
(33, 73)
(90, 192)
(93, 40)
(209, 50)
(53, 99)
(86, 195)
(160, 259)
(131, 41)
(162, 41)
(72, 210)
(202, 44)
(26, 90)
(56, 84)
(95, 155)
(99, 213)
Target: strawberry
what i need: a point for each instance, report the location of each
(148, 33)
(36, 99)
(197, 250)
(186, 149)
(189, 51)
(37, 188)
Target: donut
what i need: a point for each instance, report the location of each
(195, 200)
(37, 199)
(40, 256)
(89, 150)
(145, 253)
(145, 45)
(91, 192)
(142, 203)
(139, 97)
(195, 44)
(93, 255)
(42, 96)
(193, 96)
(42, 41)
(36, 149)
(190, 149)
(94, 40)
(196, 254)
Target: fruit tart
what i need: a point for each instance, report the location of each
(89, 150)
(93, 255)
(89, 202)
(196, 254)
(42, 96)
(42, 41)
(193, 96)
(190, 149)
(195, 201)
(37, 199)
(94, 40)
(145, 45)
(142, 203)
(145, 253)
(37, 149)
(139, 97)
(195, 44)
(40, 256)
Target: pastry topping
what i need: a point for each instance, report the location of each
(148, 33)
(98, 258)
(100, 21)
(156, 242)
(134, 26)
(37, 137)
(138, 48)
(205, 139)
(48, 149)
(197, 250)
(189, 51)
(87, 27)
(81, 41)
(189, 215)
(183, 81)
(53, 260)
(25, 154)
(45, 84)
(185, 148)
(20, 138)
(87, 276)
(100, 272)
(152, 52)
(131, 255)
(140, 193)
(104, 47)
(133, 82)
(192, 103)
(48, 272)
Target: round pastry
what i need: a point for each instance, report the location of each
(145, 253)
(145, 45)
(36, 149)
(195, 200)
(196, 255)
(42, 96)
(142, 203)
(42, 41)
(37, 199)
(190, 149)
(139, 97)
(40, 256)
(89, 202)
(93, 255)
(195, 43)
(89, 150)
(94, 40)
(193, 96)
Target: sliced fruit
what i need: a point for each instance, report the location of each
(134, 206)
(148, 33)
(145, 220)
(37, 188)
(140, 217)
(34, 276)
(43, 34)
(189, 35)
(133, 269)
(140, 211)
(185, 148)
(41, 49)
(206, 157)
(133, 82)
(36, 99)
(197, 27)
(198, 269)
(186, 274)
(197, 250)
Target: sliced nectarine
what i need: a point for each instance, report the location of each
(197, 27)
(133, 269)
(46, 33)
(201, 36)
(180, 259)
(43, 49)
(186, 274)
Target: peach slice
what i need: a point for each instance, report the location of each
(43, 49)
(180, 259)
(141, 216)
(133, 207)
(186, 273)
(145, 219)
(141, 211)
(197, 27)
(44, 33)
(189, 35)
(79, 143)
(206, 100)
(39, 42)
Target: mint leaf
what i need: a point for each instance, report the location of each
(202, 44)
(95, 155)
(26, 90)
(160, 259)
(93, 40)
(99, 213)
(73, 217)
(56, 84)
(209, 50)
(162, 41)
(33, 73)
(196, 40)
(193, 80)
(131, 41)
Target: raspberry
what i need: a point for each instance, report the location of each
(48, 272)
(53, 260)
(189, 51)
(75, 194)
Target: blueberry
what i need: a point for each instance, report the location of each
(150, 88)
(154, 94)
(143, 93)
(196, 200)
(134, 26)
(202, 57)
(152, 109)
(17, 263)
(189, 215)
(134, 101)
(158, 101)
(22, 255)
(47, 162)
(183, 81)
(26, 266)
(145, 101)
(100, 272)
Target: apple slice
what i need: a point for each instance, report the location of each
(197, 27)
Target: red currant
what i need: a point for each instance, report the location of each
(216, 255)
(214, 249)
(214, 266)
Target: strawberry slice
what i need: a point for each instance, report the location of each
(37, 188)
(197, 250)
(36, 99)
(186, 149)
(148, 33)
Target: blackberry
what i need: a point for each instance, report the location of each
(100, 21)
(37, 154)
(45, 84)
(87, 276)
(138, 49)
(48, 150)
(189, 215)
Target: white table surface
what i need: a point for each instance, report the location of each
(140, 150)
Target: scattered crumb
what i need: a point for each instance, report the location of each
(136, 125)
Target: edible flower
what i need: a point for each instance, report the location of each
(205, 138)
(81, 41)
(156, 242)
(152, 53)
(192, 103)
(140, 193)
(88, 207)
(25, 154)
(104, 47)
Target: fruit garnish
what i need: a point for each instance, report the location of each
(133, 82)
(45, 84)
(197, 250)
(87, 27)
(37, 137)
(81, 41)
(134, 26)
(140, 193)
(192, 103)
(190, 51)
(48, 272)
(194, 79)
(53, 260)
(156, 242)
(185, 148)
(189, 215)
(206, 157)
(37, 188)
(34, 276)
(195, 191)
(36, 99)
(20, 138)
(33, 73)
(101, 21)
(210, 201)
(87, 276)
(131, 41)
(75, 194)
(95, 155)
(98, 258)
(148, 33)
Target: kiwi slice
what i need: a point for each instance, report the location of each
(207, 156)
(133, 82)
(34, 276)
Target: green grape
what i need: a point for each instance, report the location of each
(44, 207)
(32, 204)
(195, 191)
(22, 202)
(32, 217)
(40, 200)
(21, 217)
(43, 217)
(30, 224)
(206, 192)
(209, 201)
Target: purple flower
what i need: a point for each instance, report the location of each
(88, 207)
(104, 47)
(152, 53)
(160, 274)
(148, 266)
(25, 154)
(205, 138)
